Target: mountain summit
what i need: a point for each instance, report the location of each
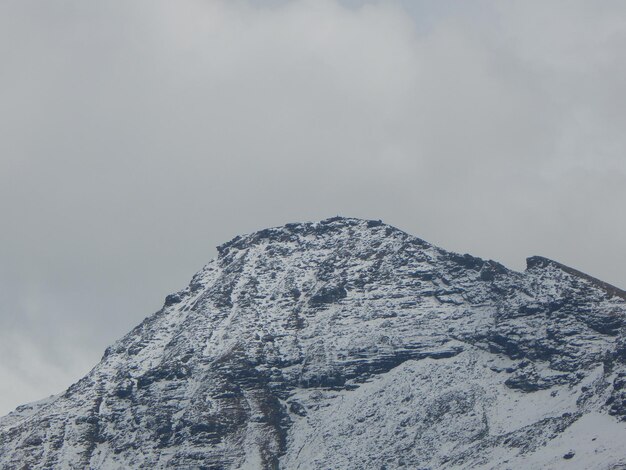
(349, 344)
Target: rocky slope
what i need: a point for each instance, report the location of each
(349, 344)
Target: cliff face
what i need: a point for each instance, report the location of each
(349, 344)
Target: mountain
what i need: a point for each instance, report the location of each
(349, 344)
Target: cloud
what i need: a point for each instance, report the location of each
(136, 136)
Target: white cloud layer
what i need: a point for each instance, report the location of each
(136, 136)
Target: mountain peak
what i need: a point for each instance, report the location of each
(343, 344)
(327, 228)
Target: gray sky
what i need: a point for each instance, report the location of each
(135, 136)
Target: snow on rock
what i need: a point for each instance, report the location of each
(349, 344)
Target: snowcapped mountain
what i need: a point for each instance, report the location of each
(349, 344)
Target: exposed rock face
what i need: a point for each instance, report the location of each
(349, 344)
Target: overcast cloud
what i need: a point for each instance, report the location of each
(136, 136)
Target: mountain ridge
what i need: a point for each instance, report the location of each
(542, 261)
(349, 343)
